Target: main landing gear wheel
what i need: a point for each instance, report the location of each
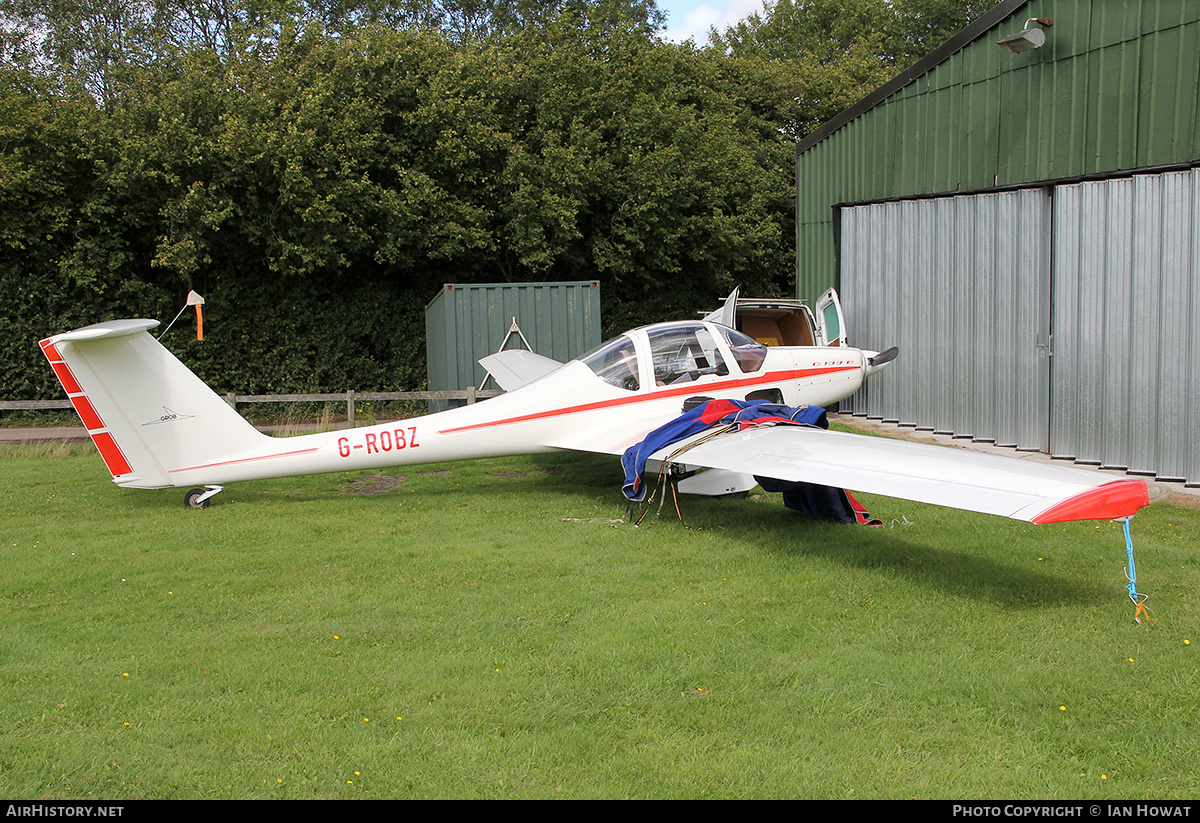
(195, 499)
(199, 498)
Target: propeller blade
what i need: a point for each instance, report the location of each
(883, 357)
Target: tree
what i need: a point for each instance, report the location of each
(319, 190)
(832, 52)
(89, 39)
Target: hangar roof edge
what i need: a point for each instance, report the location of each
(973, 31)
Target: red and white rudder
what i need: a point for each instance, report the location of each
(144, 410)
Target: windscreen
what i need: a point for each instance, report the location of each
(615, 362)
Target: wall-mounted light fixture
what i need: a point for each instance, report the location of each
(1029, 38)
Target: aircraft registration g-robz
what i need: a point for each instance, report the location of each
(157, 425)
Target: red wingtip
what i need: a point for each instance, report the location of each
(1120, 498)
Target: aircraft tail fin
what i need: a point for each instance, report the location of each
(145, 411)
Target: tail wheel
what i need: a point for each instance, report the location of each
(196, 499)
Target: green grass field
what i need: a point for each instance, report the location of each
(482, 630)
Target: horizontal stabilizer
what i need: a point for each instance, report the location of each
(110, 329)
(516, 367)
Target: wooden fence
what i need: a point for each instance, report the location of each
(350, 398)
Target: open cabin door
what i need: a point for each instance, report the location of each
(728, 313)
(831, 325)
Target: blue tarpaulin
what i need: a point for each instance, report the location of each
(822, 502)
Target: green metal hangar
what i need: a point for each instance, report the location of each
(1024, 223)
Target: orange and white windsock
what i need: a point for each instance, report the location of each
(196, 300)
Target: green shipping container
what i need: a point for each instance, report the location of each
(467, 321)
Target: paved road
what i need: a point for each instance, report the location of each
(77, 434)
(43, 434)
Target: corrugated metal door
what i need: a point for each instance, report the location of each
(962, 286)
(1127, 324)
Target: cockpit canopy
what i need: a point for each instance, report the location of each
(677, 353)
(615, 362)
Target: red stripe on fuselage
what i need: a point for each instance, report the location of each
(244, 460)
(691, 388)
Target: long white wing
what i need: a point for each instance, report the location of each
(1020, 489)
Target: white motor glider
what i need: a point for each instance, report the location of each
(157, 425)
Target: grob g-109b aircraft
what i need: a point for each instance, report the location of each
(157, 425)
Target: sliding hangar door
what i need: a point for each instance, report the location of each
(1062, 319)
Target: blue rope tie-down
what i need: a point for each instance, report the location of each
(1139, 599)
